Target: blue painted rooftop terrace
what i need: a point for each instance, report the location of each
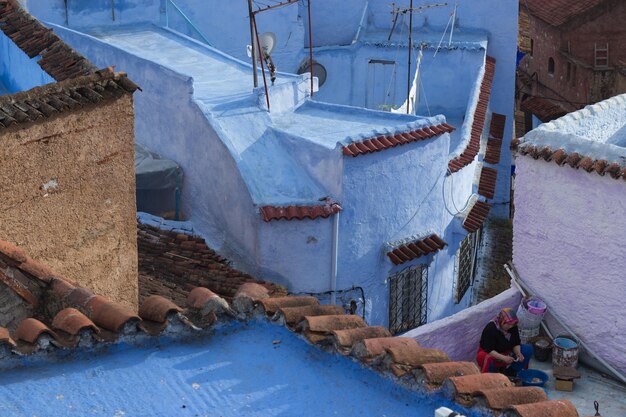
(254, 369)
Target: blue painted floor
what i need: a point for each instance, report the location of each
(241, 370)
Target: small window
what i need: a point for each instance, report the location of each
(551, 66)
(465, 266)
(408, 299)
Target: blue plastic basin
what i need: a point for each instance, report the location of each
(527, 376)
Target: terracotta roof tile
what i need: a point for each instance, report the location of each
(476, 216)
(494, 143)
(294, 315)
(414, 249)
(414, 357)
(5, 337)
(206, 301)
(13, 252)
(49, 100)
(19, 288)
(380, 143)
(465, 387)
(57, 58)
(157, 308)
(111, 315)
(73, 321)
(248, 295)
(172, 263)
(436, 373)
(554, 408)
(326, 324)
(573, 159)
(368, 349)
(557, 12)
(501, 398)
(473, 145)
(544, 109)
(345, 339)
(299, 212)
(272, 305)
(487, 184)
(29, 330)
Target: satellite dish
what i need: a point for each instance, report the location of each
(268, 42)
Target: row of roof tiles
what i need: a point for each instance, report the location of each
(329, 327)
(476, 216)
(299, 212)
(82, 318)
(57, 58)
(415, 249)
(380, 143)
(480, 115)
(52, 99)
(574, 159)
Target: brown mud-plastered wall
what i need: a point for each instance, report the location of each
(67, 188)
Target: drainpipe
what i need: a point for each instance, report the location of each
(334, 256)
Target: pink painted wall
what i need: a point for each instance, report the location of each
(458, 335)
(569, 247)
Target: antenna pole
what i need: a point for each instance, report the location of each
(408, 78)
(251, 19)
(310, 46)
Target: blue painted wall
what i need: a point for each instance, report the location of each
(18, 72)
(386, 196)
(90, 13)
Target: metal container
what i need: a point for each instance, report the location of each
(565, 351)
(542, 348)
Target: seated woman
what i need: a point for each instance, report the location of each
(500, 348)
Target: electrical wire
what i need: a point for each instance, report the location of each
(419, 206)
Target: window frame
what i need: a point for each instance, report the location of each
(465, 266)
(408, 298)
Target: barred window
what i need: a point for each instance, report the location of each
(408, 298)
(465, 266)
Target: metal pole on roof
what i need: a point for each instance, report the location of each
(252, 42)
(408, 78)
(310, 46)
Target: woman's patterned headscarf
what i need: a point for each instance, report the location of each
(506, 316)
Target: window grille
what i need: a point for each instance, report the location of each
(408, 299)
(601, 55)
(465, 262)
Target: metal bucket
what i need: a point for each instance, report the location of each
(565, 351)
(542, 348)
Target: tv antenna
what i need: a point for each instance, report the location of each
(397, 11)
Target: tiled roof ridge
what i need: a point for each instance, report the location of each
(382, 142)
(543, 108)
(496, 136)
(15, 257)
(574, 159)
(58, 59)
(480, 114)
(172, 262)
(476, 215)
(346, 334)
(558, 12)
(52, 99)
(487, 182)
(300, 212)
(401, 358)
(413, 249)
